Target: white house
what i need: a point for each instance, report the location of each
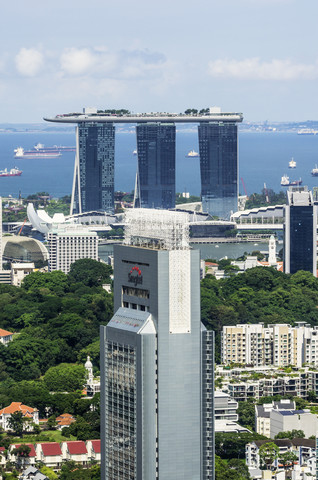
(29, 413)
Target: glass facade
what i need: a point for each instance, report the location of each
(156, 147)
(96, 151)
(219, 167)
(120, 363)
(301, 238)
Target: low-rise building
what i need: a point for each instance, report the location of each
(30, 459)
(93, 450)
(49, 453)
(75, 451)
(262, 414)
(5, 336)
(29, 413)
(287, 420)
(19, 271)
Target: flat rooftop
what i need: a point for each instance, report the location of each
(145, 118)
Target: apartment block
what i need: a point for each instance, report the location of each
(279, 345)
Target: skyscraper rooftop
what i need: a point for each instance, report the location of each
(157, 229)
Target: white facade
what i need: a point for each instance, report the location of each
(279, 345)
(70, 243)
(283, 421)
(262, 415)
(19, 271)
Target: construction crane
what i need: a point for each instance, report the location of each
(22, 226)
(244, 186)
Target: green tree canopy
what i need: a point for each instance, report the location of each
(90, 272)
(65, 377)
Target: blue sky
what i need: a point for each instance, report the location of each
(259, 57)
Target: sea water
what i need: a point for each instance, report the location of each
(263, 158)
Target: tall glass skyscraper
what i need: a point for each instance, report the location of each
(156, 149)
(300, 232)
(157, 389)
(218, 148)
(93, 183)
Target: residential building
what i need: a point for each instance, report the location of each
(156, 357)
(32, 473)
(19, 271)
(68, 243)
(29, 413)
(262, 414)
(156, 175)
(64, 420)
(218, 147)
(287, 420)
(93, 450)
(49, 453)
(75, 451)
(300, 232)
(5, 336)
(225, 407)
(302, 447)
(278, 344)
(93, 182)
(22, 460)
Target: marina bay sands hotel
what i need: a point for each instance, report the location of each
(93, 182)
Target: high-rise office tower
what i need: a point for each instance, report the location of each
(93, 183)
(157, 406)
(156, 149)
(300, 232)
(218, 148)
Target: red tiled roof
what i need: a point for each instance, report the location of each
(17, 407)
(32, 453)
(76, 448)
(66, 422)
(96, 445)
(63, 416)
(4, 333)
(51, 449)
(2, 449)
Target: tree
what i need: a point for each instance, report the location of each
(268, 453)
(16, 423)
(22, 452)
(54, 281)
(65, 377)
(246, 413)
(291, 434)
(287, 459)
(51, 475)
(90, 272)
(311, 396)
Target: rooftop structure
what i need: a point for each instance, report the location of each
(159, 229)
(145, 118)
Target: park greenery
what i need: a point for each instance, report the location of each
(258, 295)
(266, 198)
(56, 319)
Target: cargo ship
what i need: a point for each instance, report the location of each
(21, 153)
(285, 182)
(14, 172)
(314, 172)
(58, 148)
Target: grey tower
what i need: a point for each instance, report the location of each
(219, 167)
(157, 358)
(93, 183)
(300, 232)
(156, 147)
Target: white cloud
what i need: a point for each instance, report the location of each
(29, 61)
(77, 61)
(255, 69)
